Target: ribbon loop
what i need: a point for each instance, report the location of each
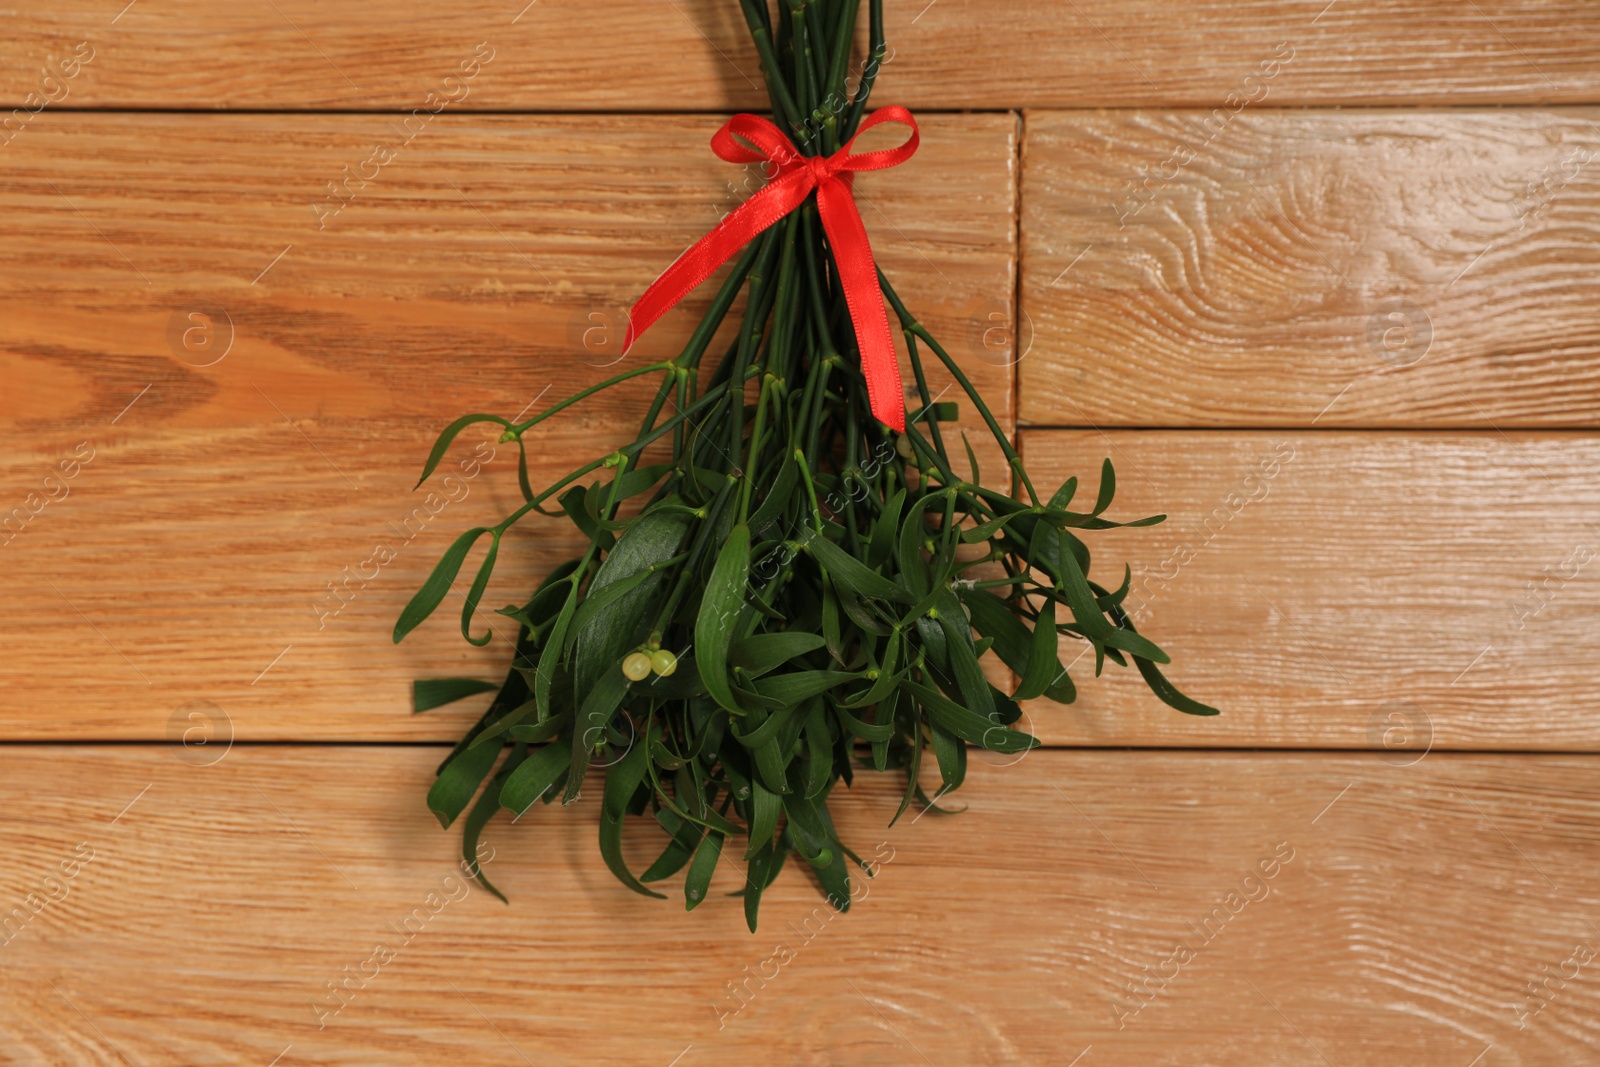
(752, 139)
(769, 141)
(881, 158)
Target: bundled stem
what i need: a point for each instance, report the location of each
(796, 589)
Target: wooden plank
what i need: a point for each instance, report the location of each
(1399, 268)
(223, 538)
(695, 54)
(1346, 589)
(1245, 908)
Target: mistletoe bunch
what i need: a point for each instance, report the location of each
(783, 590)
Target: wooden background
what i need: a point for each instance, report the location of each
(1320, 278)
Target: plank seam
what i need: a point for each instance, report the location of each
(1128, 109)
(1046, 746)
(1474, 428)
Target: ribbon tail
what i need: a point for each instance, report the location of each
(701, 259)
(858, 277)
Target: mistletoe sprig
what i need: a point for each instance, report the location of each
(783, 590)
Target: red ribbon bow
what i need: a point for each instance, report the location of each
(796, 177)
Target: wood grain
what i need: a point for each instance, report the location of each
(227, 341)
(487, 266)
(1346, 589)
(1332, 906)
(1382, 268)
(695, 54)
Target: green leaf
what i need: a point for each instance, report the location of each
(799, 686)
(512, 692)
(639, 479)
(458, 781)
(430, 693)
(684, 836)
(574, 502)
(442, 445)
(934, 646)
(552, 593)
(1164, 690)
(533, 778)
(994, 618)
(763, 865)
(719, 611)
(550, 656)
(972, 458)
(845, 569)
(1044, 664)
(813, 836)
(681, 685)
(751, 701)
(759, 654)
(612, 630)
(470, 606)
(887, 678)
(881, 545)
(914, 769)
(1136, 644)
(913, 568)
(522, 470)
(1168, 693)
(1063, 691)
(599, 705)
(760, 727)
(1076, 592)
(1063, 496)
(771, 762)
(1108, 486)
(438, 584)
(478, 818)
(778, 497)
(596, 602)
(698, 882)
(951, 752)
(985, 733)
(984, 531)
(765, 807)
(873, 732)
(663, 757)
(1006, 709)
(1106, 600)
(859, 611)
(819, 751)
(832, 632)
(964, 663)
(622, 780)
(501, 726)
(539, 733)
